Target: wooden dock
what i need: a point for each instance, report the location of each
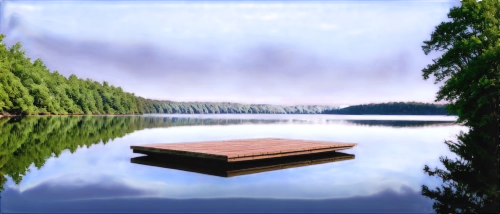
(231, 169)
(242, 150)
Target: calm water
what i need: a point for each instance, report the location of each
(83, 164)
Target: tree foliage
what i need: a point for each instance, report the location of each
(29, 88)
(470, 60)
(469, 67)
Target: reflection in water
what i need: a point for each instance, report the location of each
(32, 140)
(231, 169)
(401, 123)
(470, 182)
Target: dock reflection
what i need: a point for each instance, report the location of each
(231, 169)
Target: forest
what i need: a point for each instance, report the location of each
(393, 108)
(28, 87)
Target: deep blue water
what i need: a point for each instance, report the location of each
(92, 176)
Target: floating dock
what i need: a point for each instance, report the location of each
(242, 150)
(231, 169)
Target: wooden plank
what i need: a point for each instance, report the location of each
(243, 150)
(231, 169)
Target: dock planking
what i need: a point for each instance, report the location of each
(242, 150)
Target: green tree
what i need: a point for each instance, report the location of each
(470, 60)
(469, 67)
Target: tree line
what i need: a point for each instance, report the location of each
(28, 87)
(393, 108)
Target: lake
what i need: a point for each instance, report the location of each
(83, 164)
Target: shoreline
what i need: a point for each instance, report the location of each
(42, 115)
(13, 115)
(82, 115)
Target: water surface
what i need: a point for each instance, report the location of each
(83, 164)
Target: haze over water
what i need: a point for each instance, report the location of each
(385, 175)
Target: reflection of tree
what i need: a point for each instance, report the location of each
(32, 140)
(400, 123)
(389, 123)
(470, 183)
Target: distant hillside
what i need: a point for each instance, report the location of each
(393, 108)
(170, 107)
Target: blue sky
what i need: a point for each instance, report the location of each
(300, 52)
